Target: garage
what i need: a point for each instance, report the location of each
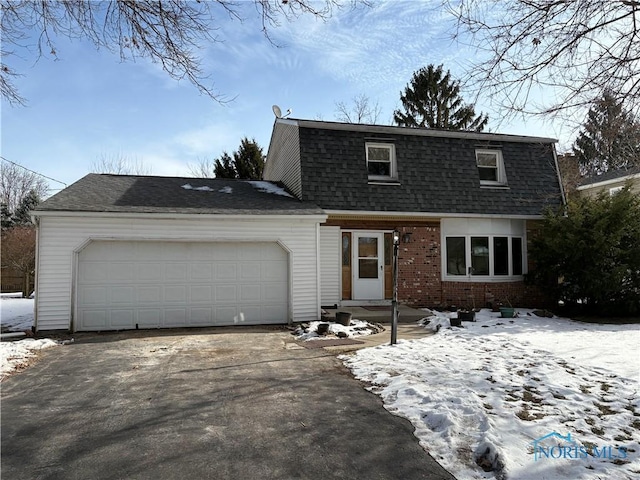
(159, 284)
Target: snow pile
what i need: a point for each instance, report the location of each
(479, 396)
(16, 355)
(268, 187)
(355, 329)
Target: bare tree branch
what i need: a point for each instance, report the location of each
(120, 165)
(568, 51)
(16, 183)
(360, 110)
(167, 32)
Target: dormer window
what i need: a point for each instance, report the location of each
(490, 167)
(381, 161)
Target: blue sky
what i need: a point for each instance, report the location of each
(87, 104)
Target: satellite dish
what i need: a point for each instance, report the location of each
(276, 111)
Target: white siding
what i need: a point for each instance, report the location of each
(61, 237)
(330, 253)
(283, 158)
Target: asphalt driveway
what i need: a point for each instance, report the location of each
(197, 404)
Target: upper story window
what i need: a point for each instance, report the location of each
(381, 161)
(490, 167)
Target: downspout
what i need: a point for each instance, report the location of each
(318, 279)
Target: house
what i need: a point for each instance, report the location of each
(612, 181)
(125, 252)
(465, 205)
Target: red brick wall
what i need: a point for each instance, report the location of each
(420, 284)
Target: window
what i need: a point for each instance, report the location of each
(490, 167)
(488, 256)
(381, 161)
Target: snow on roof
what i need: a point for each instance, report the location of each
(269, 187)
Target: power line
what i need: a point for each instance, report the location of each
(32, 171)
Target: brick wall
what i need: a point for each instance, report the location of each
(420, 284)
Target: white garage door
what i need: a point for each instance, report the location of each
(125, 285)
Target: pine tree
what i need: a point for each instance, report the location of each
(609, 139)
(7, 218)
(22, 215)
(224, 167)
(432, 100)
(249, 160)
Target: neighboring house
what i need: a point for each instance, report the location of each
(612, 181)
(124, 252)
(465, 205)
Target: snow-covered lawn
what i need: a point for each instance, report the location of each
(16, 315)
(479, 396)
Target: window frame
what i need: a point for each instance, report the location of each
(501, 176)
(469, 276)
(393, 172)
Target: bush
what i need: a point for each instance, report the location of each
(590, 257)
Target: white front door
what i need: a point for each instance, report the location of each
(368, 262)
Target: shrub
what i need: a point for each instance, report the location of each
(589, 255)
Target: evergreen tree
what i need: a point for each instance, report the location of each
(609, 139)
(593, 249)
(7, 218)
(29, 202)
(249, 160)
(224, 167)
(432, 100)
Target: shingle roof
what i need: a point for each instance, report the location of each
(437, 171)
(611, 175)
(148, 194)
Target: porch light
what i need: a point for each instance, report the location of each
(394, 301)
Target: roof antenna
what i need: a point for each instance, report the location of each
(278, 113)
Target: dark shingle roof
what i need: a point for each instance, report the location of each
(147, 194)
(437, 171)
(610, 175)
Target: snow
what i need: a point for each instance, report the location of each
(356, 328)
(226, 190)
(187, 186)
(268, 187)
(482, 394)
(16, 314)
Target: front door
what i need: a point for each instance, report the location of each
(368, 266)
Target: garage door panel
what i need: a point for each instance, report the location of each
(175, 272)
(226, 271)
(95, 319)
(122, 319)
(149, 318)
(149, 272)
(175, 294)
(251, 293)
(200, 293)
(175, 317)
(225, 252)
(93, 295)
(274, 291)
(172, 284)
(150, 294)
(93, 272)
(226, 294)
(201, 271)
